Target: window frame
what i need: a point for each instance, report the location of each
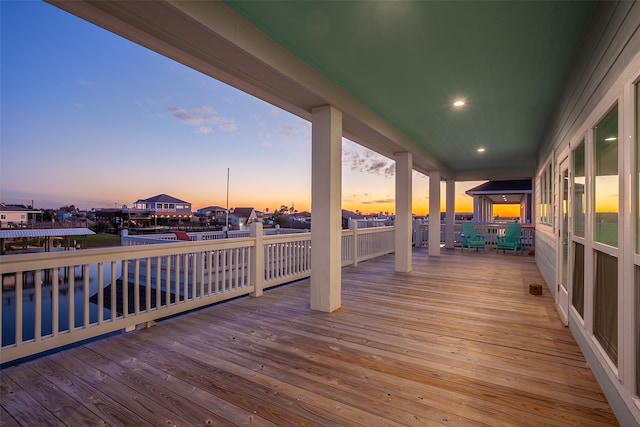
(546, 194)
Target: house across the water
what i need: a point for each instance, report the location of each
(16, 216)
(159, 210)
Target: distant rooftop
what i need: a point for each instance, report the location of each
(4, 208)
(213, 208)
(44, 232)
(242, 212)
(509, 186)
(161, 198)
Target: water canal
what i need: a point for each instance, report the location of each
(71, 302)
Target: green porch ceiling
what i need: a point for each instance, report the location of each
(409, 60)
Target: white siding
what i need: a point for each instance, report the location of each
(546, 256)
(609, 58)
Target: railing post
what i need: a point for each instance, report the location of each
(353, 225)
(257, 260)
(199, 263)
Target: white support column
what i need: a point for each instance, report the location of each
(326, 188)
(477, 208)
(485, 210)
(434, 213)
(403, 231)
(257, 259)
(450, 216)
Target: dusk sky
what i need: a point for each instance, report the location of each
(91, 119)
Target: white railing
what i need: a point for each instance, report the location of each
(491, 231)
(286, 258)
(53, 299)
(361, 244)
(145, 239)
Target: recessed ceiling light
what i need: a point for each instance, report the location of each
(481, 150)
(458, 103)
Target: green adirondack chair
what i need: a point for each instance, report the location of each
(511, 240)
(470, 239)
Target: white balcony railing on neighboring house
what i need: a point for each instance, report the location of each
(54, 299)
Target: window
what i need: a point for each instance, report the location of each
(546, 195)
(579, 199)
(577, 296)
(605, 304)
(606, 180)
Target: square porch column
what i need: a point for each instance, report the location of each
(434, 213)
(477, 209)
(403, 223)
(326, 217)
(450, 215)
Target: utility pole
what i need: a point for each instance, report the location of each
(227, 219)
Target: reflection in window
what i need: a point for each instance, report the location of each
(542, 186)
(605, 304)
(577, 297)
(579, 199)
(546, 195)
(606, 180)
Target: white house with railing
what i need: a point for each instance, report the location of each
(158, 210)
(212, 214)
(15, 216)
(241, 218)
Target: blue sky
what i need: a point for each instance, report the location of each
(91, 119)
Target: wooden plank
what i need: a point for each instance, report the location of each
(328, 380)
(489, 357)
(6, 419)
(174, 408)
(432, 347)
(240, 390)
(72, 383)
(61, 405)
(216, 410)
(140, 404)
(410, 369)
(22, 406)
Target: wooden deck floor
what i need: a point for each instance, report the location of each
(458, 342)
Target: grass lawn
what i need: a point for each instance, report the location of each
(103, 240)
